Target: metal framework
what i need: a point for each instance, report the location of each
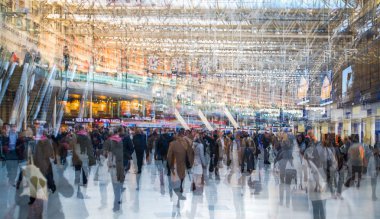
(251, 51)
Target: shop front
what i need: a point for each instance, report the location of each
(107, 107)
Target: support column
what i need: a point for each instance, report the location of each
(26, 98)
(347, 127)
(118, 109)
(143, 107)
(360, 130)
(316, 130)
(373, 131)
(55, 113)
(90, 107)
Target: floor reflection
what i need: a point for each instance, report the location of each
(150, 195)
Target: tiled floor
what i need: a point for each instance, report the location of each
(229, 197)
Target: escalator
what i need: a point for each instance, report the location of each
(6, 76)
(42, 95)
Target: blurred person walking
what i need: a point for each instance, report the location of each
(199, 165)
(113, 149)
(140, 144)
(152, 140)
(356, 161)
(180, 157)
(128, 150)
(249, 150)
(374, 169)
(22, 153)
(161, 152)
(316, 177)
(42, 154)
(83, 156)
(285, 164)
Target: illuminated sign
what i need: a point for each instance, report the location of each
(84, 120)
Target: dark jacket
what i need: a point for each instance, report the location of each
(249, 158)
(128, 148)
(139, 141)
(86, 147)
(42, 154)
(162, 146)
(114, 148)
(266, 141)
(211, 143)
(152, 139)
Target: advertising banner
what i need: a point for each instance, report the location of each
(326, 89)
(302, 91)
(347, 81)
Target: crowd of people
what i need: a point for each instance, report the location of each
(305, 169)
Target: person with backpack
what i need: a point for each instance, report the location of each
(114, 152)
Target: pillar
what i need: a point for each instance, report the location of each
(118, 109)
(54, 113)
(347, 127)
(360, 130)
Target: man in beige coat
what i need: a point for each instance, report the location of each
(179, 153)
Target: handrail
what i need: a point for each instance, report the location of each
(17, 113)
(64, 97)
(6, 82)
(36, 98)
(45, 87)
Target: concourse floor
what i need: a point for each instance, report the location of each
(229, 197)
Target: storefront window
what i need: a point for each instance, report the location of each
(72, 108)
